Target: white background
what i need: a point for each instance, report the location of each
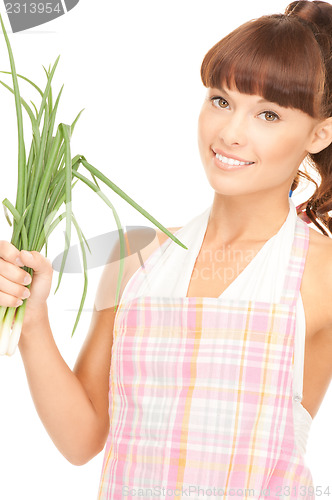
(135, 68)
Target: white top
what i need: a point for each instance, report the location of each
(262, 279)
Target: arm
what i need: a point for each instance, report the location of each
(73, 405)
(75, 423)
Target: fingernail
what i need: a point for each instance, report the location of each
(19, 303)
(19, 262)
(26, 254)
(27, 280)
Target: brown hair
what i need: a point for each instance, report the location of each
(287, 59)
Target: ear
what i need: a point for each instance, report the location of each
(321, 137)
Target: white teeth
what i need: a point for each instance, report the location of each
(231, 161)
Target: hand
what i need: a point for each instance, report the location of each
(12, 285)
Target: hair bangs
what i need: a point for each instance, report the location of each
(275, 57)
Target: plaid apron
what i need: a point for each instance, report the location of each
(201, 395)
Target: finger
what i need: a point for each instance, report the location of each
(15, 290)
(14, 273)
(9, 300)
(10, 253)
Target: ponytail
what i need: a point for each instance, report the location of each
(317, 16)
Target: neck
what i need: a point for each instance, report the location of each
(245, 219)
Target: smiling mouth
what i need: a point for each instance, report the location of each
(232, 161)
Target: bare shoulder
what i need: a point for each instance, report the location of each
(317, 277)
(320, 251)
(135, 261)
(162, 237)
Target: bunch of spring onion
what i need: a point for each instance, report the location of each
(45, 184)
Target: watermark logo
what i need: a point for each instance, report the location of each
(26, 14)
(101, 246)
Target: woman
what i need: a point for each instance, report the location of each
(202, 395)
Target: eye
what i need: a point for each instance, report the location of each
(269, 116)
(219, 102)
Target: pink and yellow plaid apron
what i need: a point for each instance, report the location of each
(201, 396)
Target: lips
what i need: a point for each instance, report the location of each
(231, 157)
(230, 163)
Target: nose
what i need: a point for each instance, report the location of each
(233, 131)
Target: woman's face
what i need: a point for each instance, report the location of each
(270, 140)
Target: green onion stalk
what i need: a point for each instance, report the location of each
(46, 179)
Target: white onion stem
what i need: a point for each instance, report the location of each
(14, 338)
(6, 330)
